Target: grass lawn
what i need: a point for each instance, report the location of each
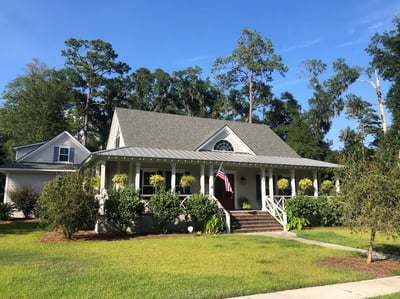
(345, 236)
(177, 267)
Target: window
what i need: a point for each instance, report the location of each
(223, 145)
(63, 154)
(117, 140)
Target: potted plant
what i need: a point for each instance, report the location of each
(305, 185)
(187, 180)
(282, 184)
(120, 179)
(157, 180)
(244, 203)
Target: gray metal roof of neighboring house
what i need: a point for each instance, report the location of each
(31, 166)
(215, 156)
(170, 131)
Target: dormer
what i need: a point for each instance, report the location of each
(225, 140)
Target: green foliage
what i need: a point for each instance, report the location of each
(166, 207)
(187, 180)
(157, 181)
(35, 107)
(252, 63)
(295, 222)
(24, 199)
(124, 206)
(200, 208)
(120, 179)
(370, 191)
(6, 210)
(282, 184)
(327, 187)
(317, 211)
(215, 225)
(68, 204)
(244, 203)
(305, 184)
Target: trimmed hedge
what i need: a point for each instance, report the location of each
(317, 211)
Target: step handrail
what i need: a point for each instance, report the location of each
(276, 208)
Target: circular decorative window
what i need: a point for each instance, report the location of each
(223, 145)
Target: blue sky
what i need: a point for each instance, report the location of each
(173, 35)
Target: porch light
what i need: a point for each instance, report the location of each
(243, 180)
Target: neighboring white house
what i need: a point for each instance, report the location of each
(38, 163)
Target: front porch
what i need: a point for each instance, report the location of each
(255, 182)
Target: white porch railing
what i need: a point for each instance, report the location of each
(276, 207)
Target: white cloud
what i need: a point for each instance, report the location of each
(303, 45)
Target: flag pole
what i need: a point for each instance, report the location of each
(215, 176)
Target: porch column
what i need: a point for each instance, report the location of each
(315, 183)
(202, 179)
(263, 190)
(293, 181)
(337, 185)
(5, 190)
(137, 175)
(102, 175)
(173, 176)
(211, 181)
(102, 186)
(271, 184)
(130, 175)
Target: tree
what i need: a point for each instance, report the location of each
(250, 65)
(68, 203)
(94, 63)
(384, 49)
(281, 113)
(194, 96)
(36, 107)
(370, 191)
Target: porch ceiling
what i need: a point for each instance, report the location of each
(141, 153)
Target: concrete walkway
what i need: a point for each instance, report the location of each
(349, 290)
(353, 290)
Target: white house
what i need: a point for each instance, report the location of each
(143, 143)
(38, 163)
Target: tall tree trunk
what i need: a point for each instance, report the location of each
(380, 101)
(86, 117)
(371, 245)
(250, 101)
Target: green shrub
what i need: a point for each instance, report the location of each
(215, 225)
(68, 204)
(6, 210)
(124, 206)
(200, 208)
(166, 207)
(327, 187)
(24, 199)
(317, 211)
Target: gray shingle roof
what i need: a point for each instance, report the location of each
(215, 156)
(169, 131)
(31, 166)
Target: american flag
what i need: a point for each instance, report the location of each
(222, 175)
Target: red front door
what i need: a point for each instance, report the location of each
(227, 199)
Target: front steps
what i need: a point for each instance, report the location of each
(246, 221)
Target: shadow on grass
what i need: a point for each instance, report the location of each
(388, 248)
(17, 227)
